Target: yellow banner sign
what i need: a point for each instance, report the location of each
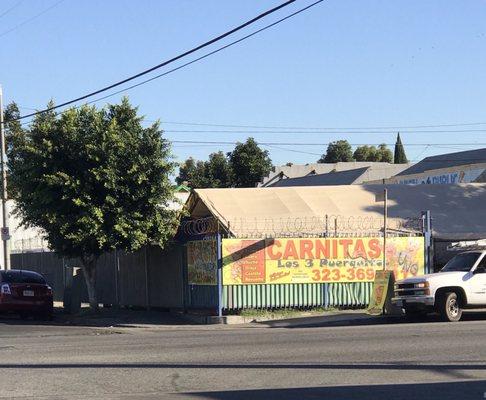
(380, 291)
(314, 260)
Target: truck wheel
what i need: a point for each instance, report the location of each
(449, 307)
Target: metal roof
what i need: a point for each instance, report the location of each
(331, 178)
(446, 161)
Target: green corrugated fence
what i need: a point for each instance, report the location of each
(303, 295)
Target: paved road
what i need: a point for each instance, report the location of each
(375, 361)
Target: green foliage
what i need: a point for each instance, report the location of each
(243, 167)
(384, 154)
(365, 153)
(218, 170)
(186, 171)
(338, 151)
(93, 180)
(214, 173)
(399, 157)
(371, 153)
(249, 164)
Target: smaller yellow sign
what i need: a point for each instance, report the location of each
(380, 290)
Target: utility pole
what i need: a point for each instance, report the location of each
(3, 160)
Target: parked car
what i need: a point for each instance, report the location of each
(461, 284)
(25, 293)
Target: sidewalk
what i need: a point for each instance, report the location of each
(122, 318)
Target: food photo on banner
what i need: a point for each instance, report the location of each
(202, 262)
(314, 260)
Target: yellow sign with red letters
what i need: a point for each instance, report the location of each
(315, 260)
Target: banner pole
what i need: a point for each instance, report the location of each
(219, 275)
(385, 217)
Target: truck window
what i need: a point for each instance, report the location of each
(462, 262)
(481, 268)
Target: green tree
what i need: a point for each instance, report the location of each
(249, 164)
(94, 180)
(371, 153)
(186, 171)
(384, 154)
(399, 156)
(213, 173)
(218, 171)
(13, 128)
(337, 151)
(365, 153)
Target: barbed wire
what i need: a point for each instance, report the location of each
(334, 225)
(199, 226)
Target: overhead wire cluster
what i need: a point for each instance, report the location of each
(250, 129)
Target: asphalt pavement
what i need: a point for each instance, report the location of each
(315, 358)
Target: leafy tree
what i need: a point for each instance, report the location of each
(371, 153)
(13, 128)
(400, 156)
(94, 180)
(365, 153)
(384, 154)
(199, 177)
(337, 151)
(249, 163)
(218, 170)
(186, 170)
(214, 173)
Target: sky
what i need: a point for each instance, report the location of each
(343, 64)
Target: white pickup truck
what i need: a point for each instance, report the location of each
(461, 284)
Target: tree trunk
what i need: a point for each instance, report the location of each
(89, 272)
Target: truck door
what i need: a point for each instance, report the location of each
(477, 284)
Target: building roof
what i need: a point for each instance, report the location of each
(376, 171)
(446, 161)
(331, 178)
(455, 209)
(182, 188)
(299, 170)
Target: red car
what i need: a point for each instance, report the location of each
(25, 293)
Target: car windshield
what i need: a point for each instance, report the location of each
(21, 277)
(462, 262)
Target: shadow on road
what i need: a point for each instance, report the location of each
(463, 390)
(104, 318)
(444, 368)
(361, 319)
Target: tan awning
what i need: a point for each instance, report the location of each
(458, 211)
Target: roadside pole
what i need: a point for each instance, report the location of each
(427, 232)
(385, 217)
(3, 156)
(219, 245)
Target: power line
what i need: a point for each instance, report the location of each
(249, 132)
(167, 62)
(196, 59)
(11, 8)
(320, 128)
(266, 129)
(293, 150)
(200, 142)
(30, 19)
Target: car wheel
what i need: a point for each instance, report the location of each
(449, 307)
